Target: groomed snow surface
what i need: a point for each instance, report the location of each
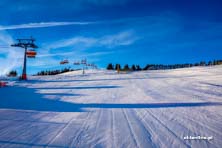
(106, 109)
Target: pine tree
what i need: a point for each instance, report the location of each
(126, 67)
(12, 73)
(202, 63)
(210, 63)
(138, 67)
(118, 66)
(110, 66)
(133, 67)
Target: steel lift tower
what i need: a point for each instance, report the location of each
(25, 43)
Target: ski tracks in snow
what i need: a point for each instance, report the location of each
(125, 123)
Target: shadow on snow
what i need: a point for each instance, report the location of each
(150, 105)
(87, 80)
(27, 99)
(80, 87)
(211, 84)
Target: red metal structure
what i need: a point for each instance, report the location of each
(3, 84)
(26, 43)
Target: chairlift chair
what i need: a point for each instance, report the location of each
(31, 53)
(76, 63)
(83, 61)
(64, 62)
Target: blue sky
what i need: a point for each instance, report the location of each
(103, 31)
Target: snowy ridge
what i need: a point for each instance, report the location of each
(106, 109)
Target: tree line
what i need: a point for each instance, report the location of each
(12, 73)
(134, 67)
(53, 72)
(126, 67)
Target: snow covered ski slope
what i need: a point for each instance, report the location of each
(105, 109)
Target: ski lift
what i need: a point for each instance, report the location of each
(76, 63)
(64, 62)
(83, 61)
(31, 53)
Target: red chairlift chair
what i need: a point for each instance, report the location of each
(31, 53)
(64, 62)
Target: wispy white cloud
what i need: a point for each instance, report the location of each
(97, 53)
(44, 63)
(86, 41)
(42, 24)
(81, 54)
(120, 39)
(78, 23)
(54, 54)
(12, 57)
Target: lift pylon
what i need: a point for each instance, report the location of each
(25, 43)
